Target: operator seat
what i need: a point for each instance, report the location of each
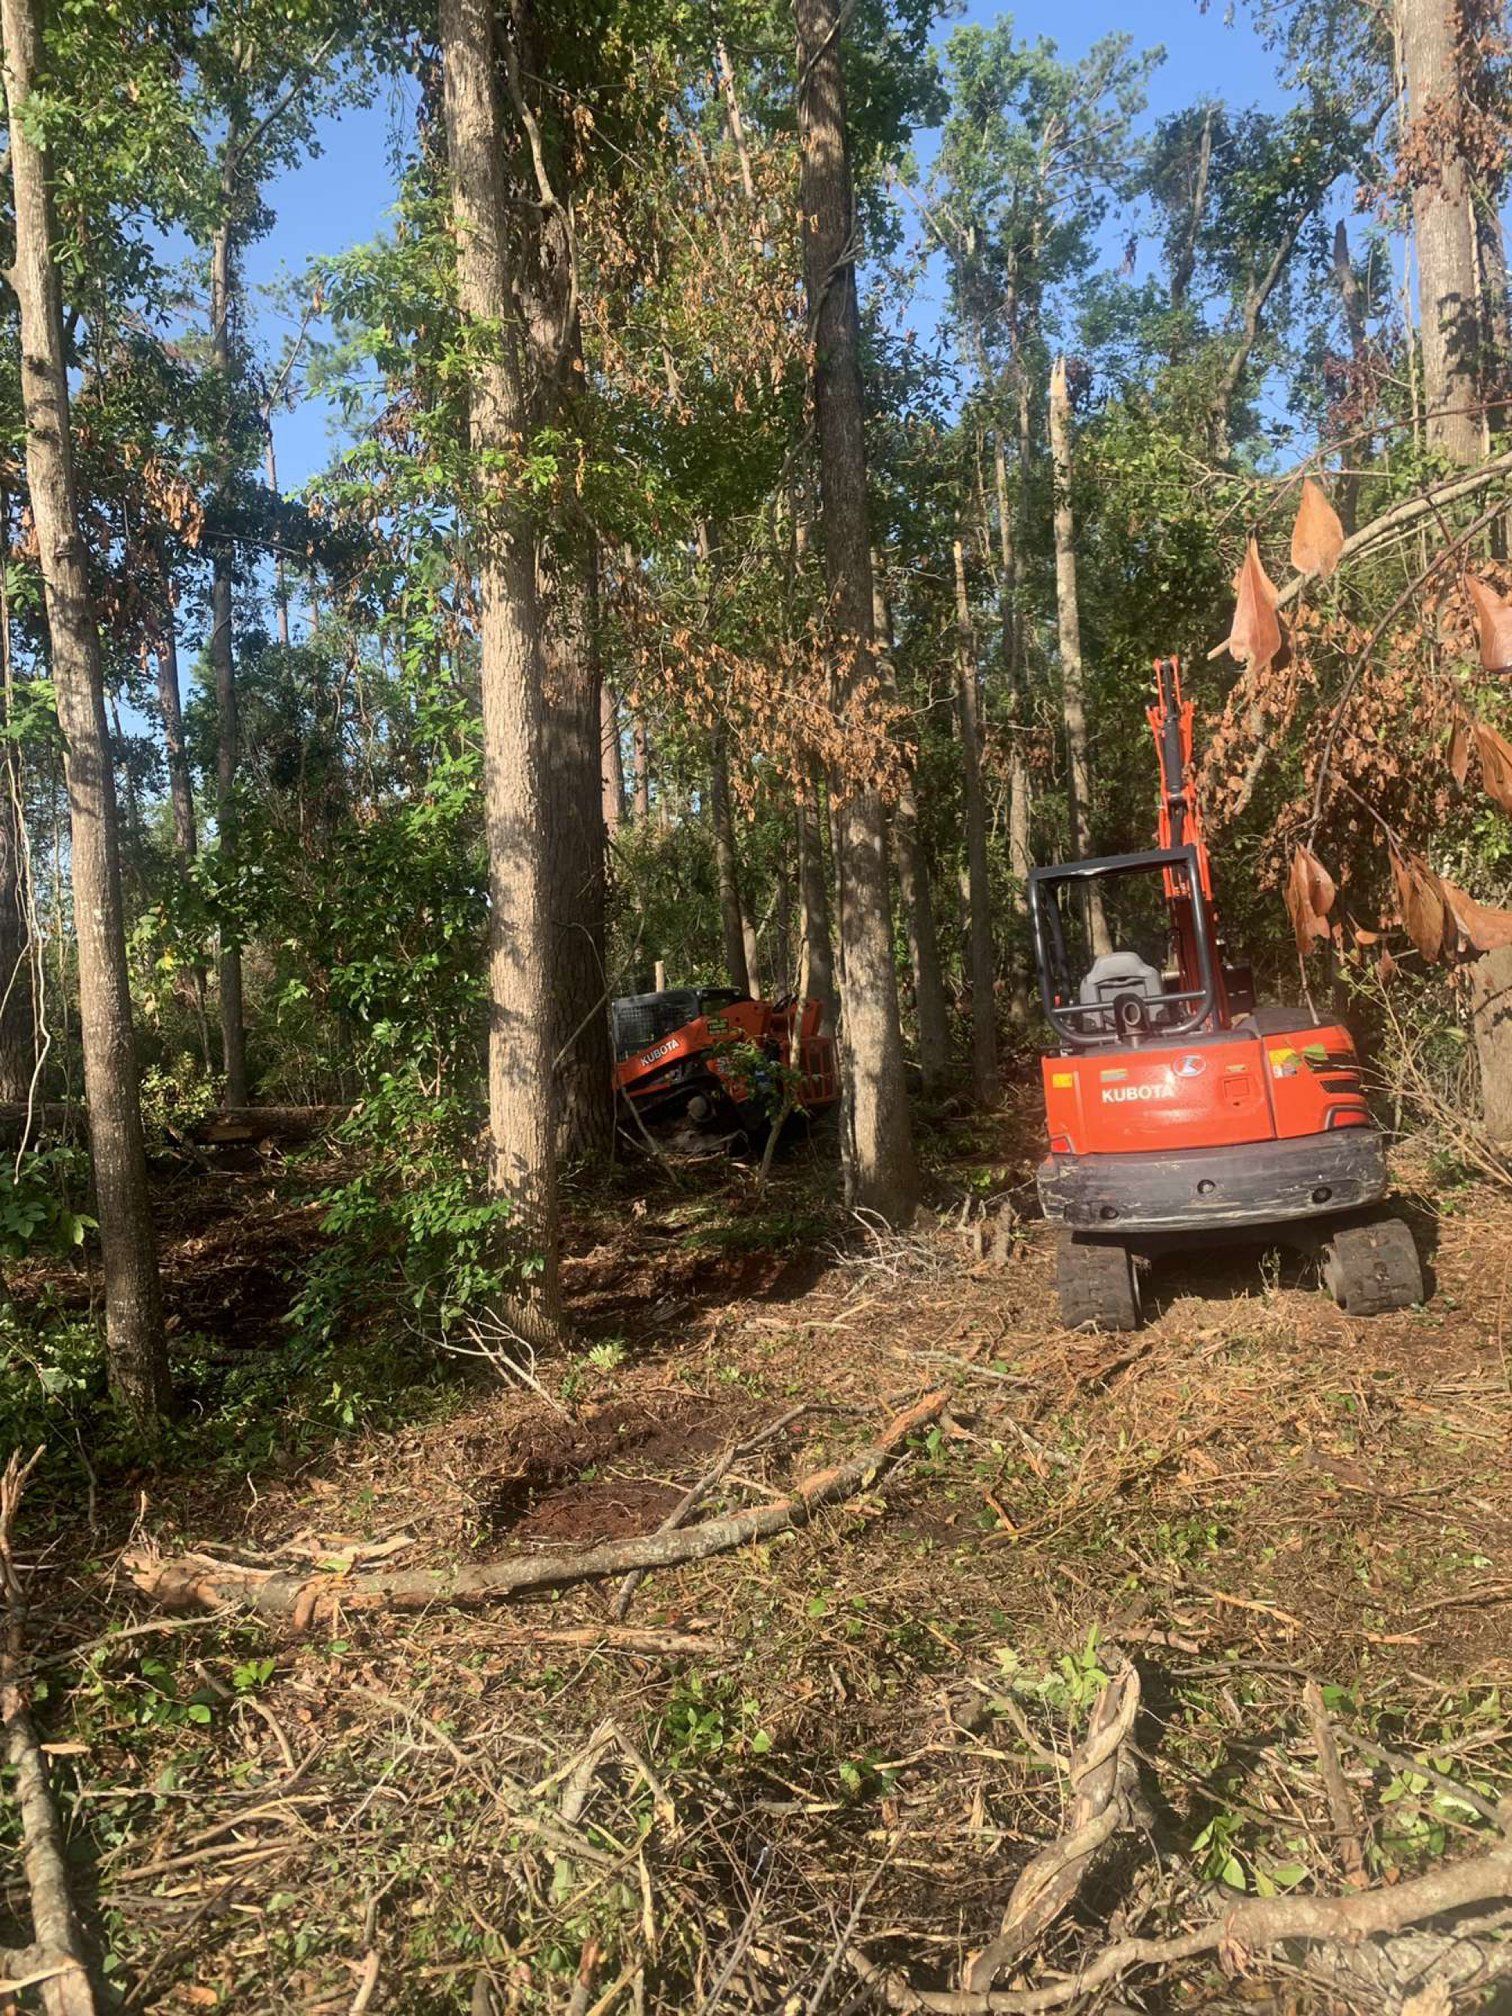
(1118, 973)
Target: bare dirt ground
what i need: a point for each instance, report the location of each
(475, 1810)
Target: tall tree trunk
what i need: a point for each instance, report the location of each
(1184, 261)
(816, 952)
(612, 762)
(1491, 1013)
(136, 1348)
(733, 119)
(914, 893)
(222, 656)
(1430, 38)
(574, 836)
(731, 918)
(280, 577)
(1352, 301)
(521, 1129)
(1431, 41)
(735, 926)
(164, 643)
(18, 1050)
(882, 1175)
(1020, 786)
(1073, 686)
(982, 960)
(640, 757)
(171, 712)
(18, 1032)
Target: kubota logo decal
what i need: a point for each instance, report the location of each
(1115, 1095)
(1191, 1067)
(656, 1055)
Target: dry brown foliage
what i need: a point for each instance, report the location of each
(1317, 535)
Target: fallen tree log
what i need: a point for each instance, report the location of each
(47, 1118)
(56, 1962)
(197, 1583)
(1250, 1927)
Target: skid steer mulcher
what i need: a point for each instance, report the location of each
(1179, 1111)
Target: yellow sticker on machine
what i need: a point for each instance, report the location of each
(1062, 1080)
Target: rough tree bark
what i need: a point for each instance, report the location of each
(1020, 787)
(1430, 42)
(816, 948)
(1352, 301)
(222, 646)
(613, 761)
(915, 894)
(1429, 38)
(521, 1130)
(881, 1173)
(736, 931)
(537, 193)
(732, 925)
(136, 1349)
(574, 837)
(1073, 683)
(18, 1035)
(640, 756)
(982, 960)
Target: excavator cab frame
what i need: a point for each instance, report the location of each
(1183, 1007)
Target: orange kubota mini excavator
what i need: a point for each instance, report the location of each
(1175, 1106)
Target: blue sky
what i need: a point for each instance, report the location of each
(340, 198)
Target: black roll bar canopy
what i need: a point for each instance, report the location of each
(1090, 1024)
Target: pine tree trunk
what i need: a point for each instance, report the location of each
(136, 1348)
(171, 712)
(1073, 686)
(223, 663)
(983, 960)
(640, 753)
(1020, 790)
(816, 945)
(18, 1033)
(914, 893)
(882, 1176)
(18, 1049)
(1491, 1013)
(731, 919)
(1430, 35)
(521, 1128)
(575, 882)
(613, 761)
(280, 575)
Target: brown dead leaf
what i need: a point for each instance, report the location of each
(1426, 912)
(1486, 928)
(1310, 893)
(1255, 637)
(1386, 966)
(1459, 749)
(1317, 536)
(1493, 616)
(1496, 764)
